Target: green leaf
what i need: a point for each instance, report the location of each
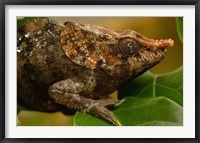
(168, 85)
(137, 111)
(83, 119)
(179, 23)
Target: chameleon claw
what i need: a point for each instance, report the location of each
(104, 113)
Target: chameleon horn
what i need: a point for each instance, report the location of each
(162, 43)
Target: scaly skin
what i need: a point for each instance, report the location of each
(73, 66)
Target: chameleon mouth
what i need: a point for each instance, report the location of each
(154, 50)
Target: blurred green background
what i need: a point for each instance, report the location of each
(152, 27)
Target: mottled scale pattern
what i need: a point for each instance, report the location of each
(78, 48)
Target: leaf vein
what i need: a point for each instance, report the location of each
(143, 90)
(143, 124)
(169, 88)
(132, 107)
(84, 119)
(154, 87)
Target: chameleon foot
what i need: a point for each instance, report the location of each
(59, 92)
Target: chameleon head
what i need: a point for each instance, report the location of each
(141, 52)
(122, 54)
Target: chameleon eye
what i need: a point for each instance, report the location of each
(129, 47)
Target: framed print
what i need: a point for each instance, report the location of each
(75, 71)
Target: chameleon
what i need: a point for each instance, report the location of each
(73, 66)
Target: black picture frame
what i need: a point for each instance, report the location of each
(4, 3)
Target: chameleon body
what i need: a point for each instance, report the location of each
(74, 66)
